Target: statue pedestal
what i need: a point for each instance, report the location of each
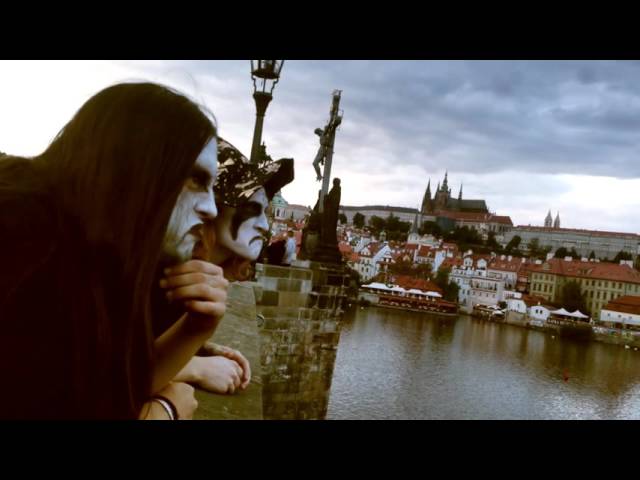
(327, 253)
(301, 311)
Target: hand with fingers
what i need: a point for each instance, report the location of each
(201, 288)
(215, 368)
(217, 374)
(241, 360)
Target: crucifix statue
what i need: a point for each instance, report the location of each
(319, 236)
(325, 152)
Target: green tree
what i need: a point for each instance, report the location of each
(562, 252)
(342, 217)
(572, 298)
(377, 224)
(466, 238)
(423, 270)
(592, 255)
(396, 229)
(442, 277)
(451, 292)
(622, 255)
(358, 220)
(534, 247)
(430, 228)
(400, 267)
(513, 244)
(450, 289)
(491, 242)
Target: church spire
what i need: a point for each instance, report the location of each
(445, 186)
(460, 194)
(556, 222)
(548, 220)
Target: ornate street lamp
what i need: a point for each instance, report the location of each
(265, 74)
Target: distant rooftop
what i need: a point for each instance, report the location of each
(595, 233)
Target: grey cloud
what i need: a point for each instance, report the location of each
(500, 119)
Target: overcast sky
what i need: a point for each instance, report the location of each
(527, 136)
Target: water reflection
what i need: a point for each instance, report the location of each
(393, 364)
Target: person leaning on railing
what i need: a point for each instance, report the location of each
(126, 183)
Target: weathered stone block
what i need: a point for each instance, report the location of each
(276, 271)
(292, 299)
(301, 274)
(269, 298)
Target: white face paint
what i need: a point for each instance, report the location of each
(195, 205)
(252, 225)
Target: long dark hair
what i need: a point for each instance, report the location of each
(116, 170)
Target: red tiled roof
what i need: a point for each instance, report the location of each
(531, 300)
(626, 304)
(480, 256)
(407, 282)
(424, 251)
(513, 265)
(505, 219)
(592, 270)
(478, 217)
(451, 262)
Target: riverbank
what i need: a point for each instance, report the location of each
(611, 336)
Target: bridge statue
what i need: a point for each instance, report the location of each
(319, 242)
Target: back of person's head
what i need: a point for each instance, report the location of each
(290, 233)
(116, 170)
(120, 163)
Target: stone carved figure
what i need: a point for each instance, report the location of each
(330, 214)
(322, 152)
(327, 135)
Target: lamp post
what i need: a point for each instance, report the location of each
(265, 74)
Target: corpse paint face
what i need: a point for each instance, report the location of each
(195, 205)
(242, 229)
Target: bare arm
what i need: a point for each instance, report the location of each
(202, 289)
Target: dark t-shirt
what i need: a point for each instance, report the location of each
(275, 252)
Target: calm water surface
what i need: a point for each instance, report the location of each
(402, 365)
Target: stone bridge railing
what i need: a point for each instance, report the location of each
(287, 324)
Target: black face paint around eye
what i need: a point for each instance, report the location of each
(243, 213)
